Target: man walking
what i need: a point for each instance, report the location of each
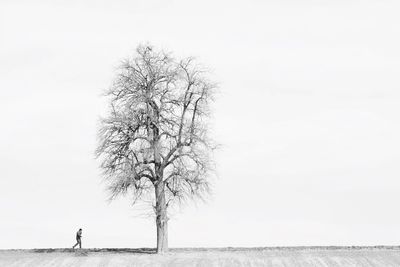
(78, 239)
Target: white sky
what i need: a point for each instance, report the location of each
(308, 115)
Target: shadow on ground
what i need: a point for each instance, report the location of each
(88, 250)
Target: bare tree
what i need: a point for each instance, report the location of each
(154, 140)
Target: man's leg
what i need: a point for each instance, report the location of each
(80, 243)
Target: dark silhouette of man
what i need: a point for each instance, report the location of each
(78, 239)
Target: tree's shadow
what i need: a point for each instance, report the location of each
(86, 251)
(126, 250)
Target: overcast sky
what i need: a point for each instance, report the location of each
(307, 113)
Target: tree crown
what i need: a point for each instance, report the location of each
(156, 127)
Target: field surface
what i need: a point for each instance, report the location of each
(230, 257)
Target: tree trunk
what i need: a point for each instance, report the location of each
(161, 218)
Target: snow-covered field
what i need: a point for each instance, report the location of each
(303, 256)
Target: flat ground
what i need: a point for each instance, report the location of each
(284, 256)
